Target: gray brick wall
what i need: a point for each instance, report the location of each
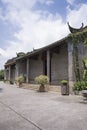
(13, 71)
(59, 65)
(36, 68)
(7, 74)
(21, 68)
(82, 53)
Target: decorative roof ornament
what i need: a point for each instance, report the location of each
(74, 30)
(20, 54)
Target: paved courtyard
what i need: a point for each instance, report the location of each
(22, 109)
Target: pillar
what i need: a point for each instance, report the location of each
(48, 65)
(27, 71)
(70, 66)
(5, 74)
(17, 69)
(9, 72)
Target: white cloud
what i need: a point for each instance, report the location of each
(71, 2)
(77, 16)
(37, 28)
(49, 2)
(20, 4)
(3, 52)
(3, 56)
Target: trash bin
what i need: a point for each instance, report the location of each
(64, 90)
(64, 87)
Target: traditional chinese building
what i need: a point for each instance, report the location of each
(55, 60)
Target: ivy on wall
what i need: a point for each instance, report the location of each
(75, 39)
(85, 69)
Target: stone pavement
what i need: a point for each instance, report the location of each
(22, 109)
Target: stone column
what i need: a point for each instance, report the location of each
(4, 73)
(27, 71)
(70, 66)
(48, 65)
(9, 72)
(17, 70)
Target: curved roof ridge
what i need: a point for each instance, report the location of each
(74, 30)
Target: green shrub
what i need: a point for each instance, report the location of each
(42, 79)
(1, 74)
(84, 86)
(78, 86)
(64, 82)
(20, 80)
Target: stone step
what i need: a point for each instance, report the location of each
(53, 88)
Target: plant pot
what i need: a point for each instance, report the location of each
(76, 92)
(20, 85)
(42, 88)
(64, 90)
(84, 93)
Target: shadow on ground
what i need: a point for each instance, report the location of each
(1, 90)
(71, 99)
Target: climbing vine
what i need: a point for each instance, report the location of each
(85, 69)
(75, 38)
(78, 37)
(77, 70)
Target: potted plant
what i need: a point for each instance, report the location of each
(20, 80)
(64, 87)
(84, 90)
(64, 82)
(11, 81)
(42, 80)
(77, 88)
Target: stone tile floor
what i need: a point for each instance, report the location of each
(22, 109)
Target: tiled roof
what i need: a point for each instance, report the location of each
(10, 61)
(36, 51)
(74, 30)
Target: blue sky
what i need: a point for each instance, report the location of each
(26, 24)
(58, 6)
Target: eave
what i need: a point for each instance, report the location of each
(48, 47)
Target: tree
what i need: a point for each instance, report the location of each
(1, 74)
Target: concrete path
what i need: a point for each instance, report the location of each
(22, 109)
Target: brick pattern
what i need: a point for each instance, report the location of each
(82, 53)
(36, 69)
(59, 66)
